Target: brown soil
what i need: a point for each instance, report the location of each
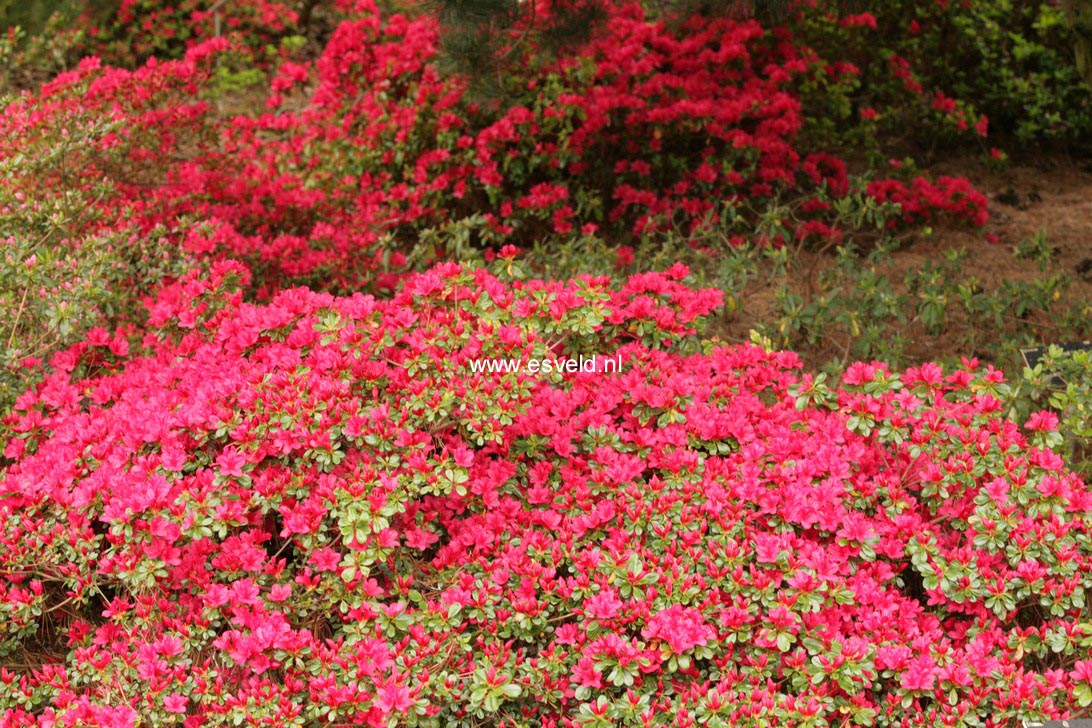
(1054, 197)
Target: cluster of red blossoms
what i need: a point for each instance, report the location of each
(314, 510)
(367, 156)
(143, 29)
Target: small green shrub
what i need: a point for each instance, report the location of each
(32, 50)
(1008, 63)
(60, 273)
(1062, 383)
(1014, 64)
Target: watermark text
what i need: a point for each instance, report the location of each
(592, 364)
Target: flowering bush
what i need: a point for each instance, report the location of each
(368, 162)
(130, 32)
(969, 65)
(922, 199)
(256, 22)
(298, 507)
(1062, 383)
(312, 510)
(65, 264)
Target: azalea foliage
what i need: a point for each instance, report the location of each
(314, 510)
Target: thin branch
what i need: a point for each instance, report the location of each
(18, 316)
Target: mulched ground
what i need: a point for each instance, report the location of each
(1054, 196)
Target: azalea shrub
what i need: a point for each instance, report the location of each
(65, 264)
(136, 30)
(47, 38)
(39, 40)
(318, 509)
(968, 66)
(1062, 383)
(368, 161)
